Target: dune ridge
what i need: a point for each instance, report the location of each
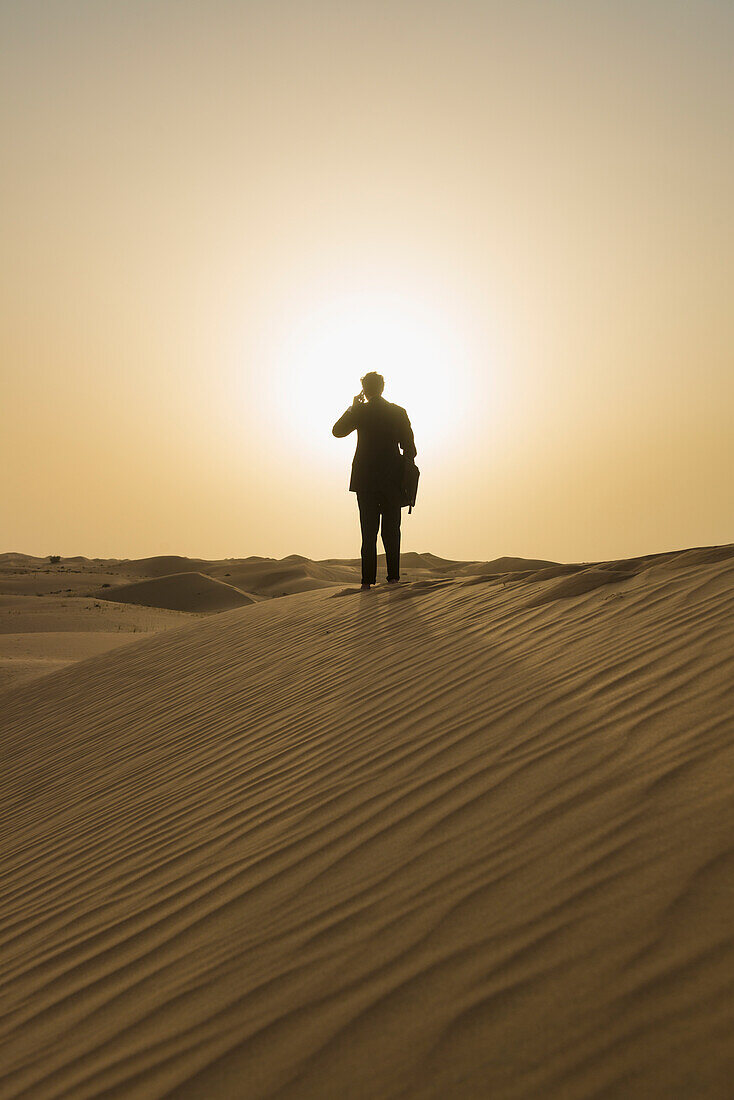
(435, 841)
(190, 591)
(78, 596)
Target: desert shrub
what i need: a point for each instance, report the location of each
(53, 558)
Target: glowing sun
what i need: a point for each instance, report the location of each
(329, 349)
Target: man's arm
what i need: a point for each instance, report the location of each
(349, 421)
(406, 440)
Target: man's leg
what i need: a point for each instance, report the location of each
(369, 521)
(391, 537)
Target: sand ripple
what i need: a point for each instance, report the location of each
(461, 839)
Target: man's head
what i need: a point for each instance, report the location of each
(372, 384)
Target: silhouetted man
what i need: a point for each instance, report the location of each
(383, 430)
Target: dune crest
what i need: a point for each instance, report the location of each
(425, 842)
(192, 592)
(77, 596)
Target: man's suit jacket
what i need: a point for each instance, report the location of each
(381, 427)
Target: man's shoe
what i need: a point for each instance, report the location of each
(366, 587)
(393, 580)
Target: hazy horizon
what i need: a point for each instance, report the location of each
(218, 216)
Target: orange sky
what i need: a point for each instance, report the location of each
(216, 214)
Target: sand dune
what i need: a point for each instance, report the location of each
(43, 633)
(180, 592)
(439, 841)
(269, 577)
(10, 558)
(49, 614)
(76, 595)
(284, 577)
(273, 577)
(502, 565)
(54, 580)
(261, 577)
(576, 584)
(25, 656)
(162, 566)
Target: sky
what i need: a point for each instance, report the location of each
(217, 215)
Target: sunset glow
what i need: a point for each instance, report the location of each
(217, 217)
(330, 348)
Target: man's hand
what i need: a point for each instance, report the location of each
(358, 400)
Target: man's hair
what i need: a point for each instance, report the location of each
(373, 384)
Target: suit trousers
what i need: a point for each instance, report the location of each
(375, 508)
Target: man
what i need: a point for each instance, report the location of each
(383, 430)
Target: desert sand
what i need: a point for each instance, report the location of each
(53, 613)
(472, 836)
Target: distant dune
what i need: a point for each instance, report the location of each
(471, 837)
(77, 596)
(180, 592)
(162, 566)
(51, 615)
(10, 558)
(502, 565)
(285, 577)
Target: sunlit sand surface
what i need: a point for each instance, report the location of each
(472, 836)
(55, 613)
